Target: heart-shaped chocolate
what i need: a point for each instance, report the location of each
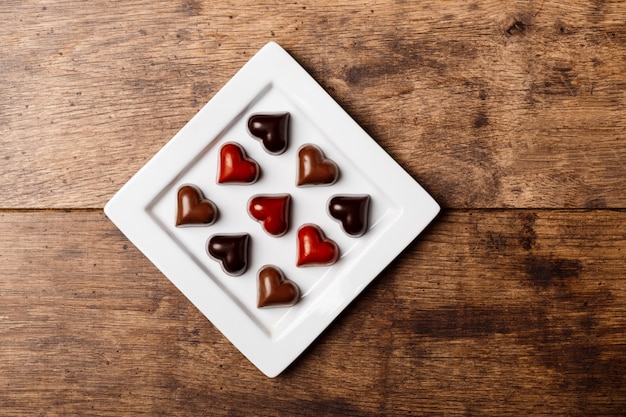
(274, 290)
(351, 211)
(193, 208)
(235, 167)
(231, 251)
(272, 211)
(314, 168)
(314, 249)
(272, 130)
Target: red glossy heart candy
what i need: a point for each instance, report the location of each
(314, 168)
(235, 167)
(274, 290)
(314, 249)
(193, 208)
(272, 211)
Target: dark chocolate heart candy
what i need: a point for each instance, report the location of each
(193, 208)
(274, 290)
(231, 251)
(272, 130)
(352, 211)
(314, 168)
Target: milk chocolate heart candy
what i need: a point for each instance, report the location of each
(274, 290)
(272, 211)
(314, 248)
(351, 211)
(272, 130)
(314, 168)
(193, 208)
(235, 167)
(231, 251)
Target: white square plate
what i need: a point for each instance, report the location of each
(144, 209)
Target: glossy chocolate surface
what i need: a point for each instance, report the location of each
(314, 248)
(193, 208)
(351, 211)
(314, 168)
(231, 251)
(271, 211)
(272, 130)
(235, 167)
(274, 290)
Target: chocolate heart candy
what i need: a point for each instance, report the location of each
(351, 211)
(272, 130)
(193, 208)
(231, 251)
(274, 290)
(272, 211)
(235, 167)
(314, 168)
(314, 248)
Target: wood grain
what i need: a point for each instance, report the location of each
(501, 312)
(488, 104)
(511, 113)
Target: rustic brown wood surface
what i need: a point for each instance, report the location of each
(511, 113)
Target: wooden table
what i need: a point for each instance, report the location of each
(512, 114)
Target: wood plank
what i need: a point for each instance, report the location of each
(499, 312)
(488, 104)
